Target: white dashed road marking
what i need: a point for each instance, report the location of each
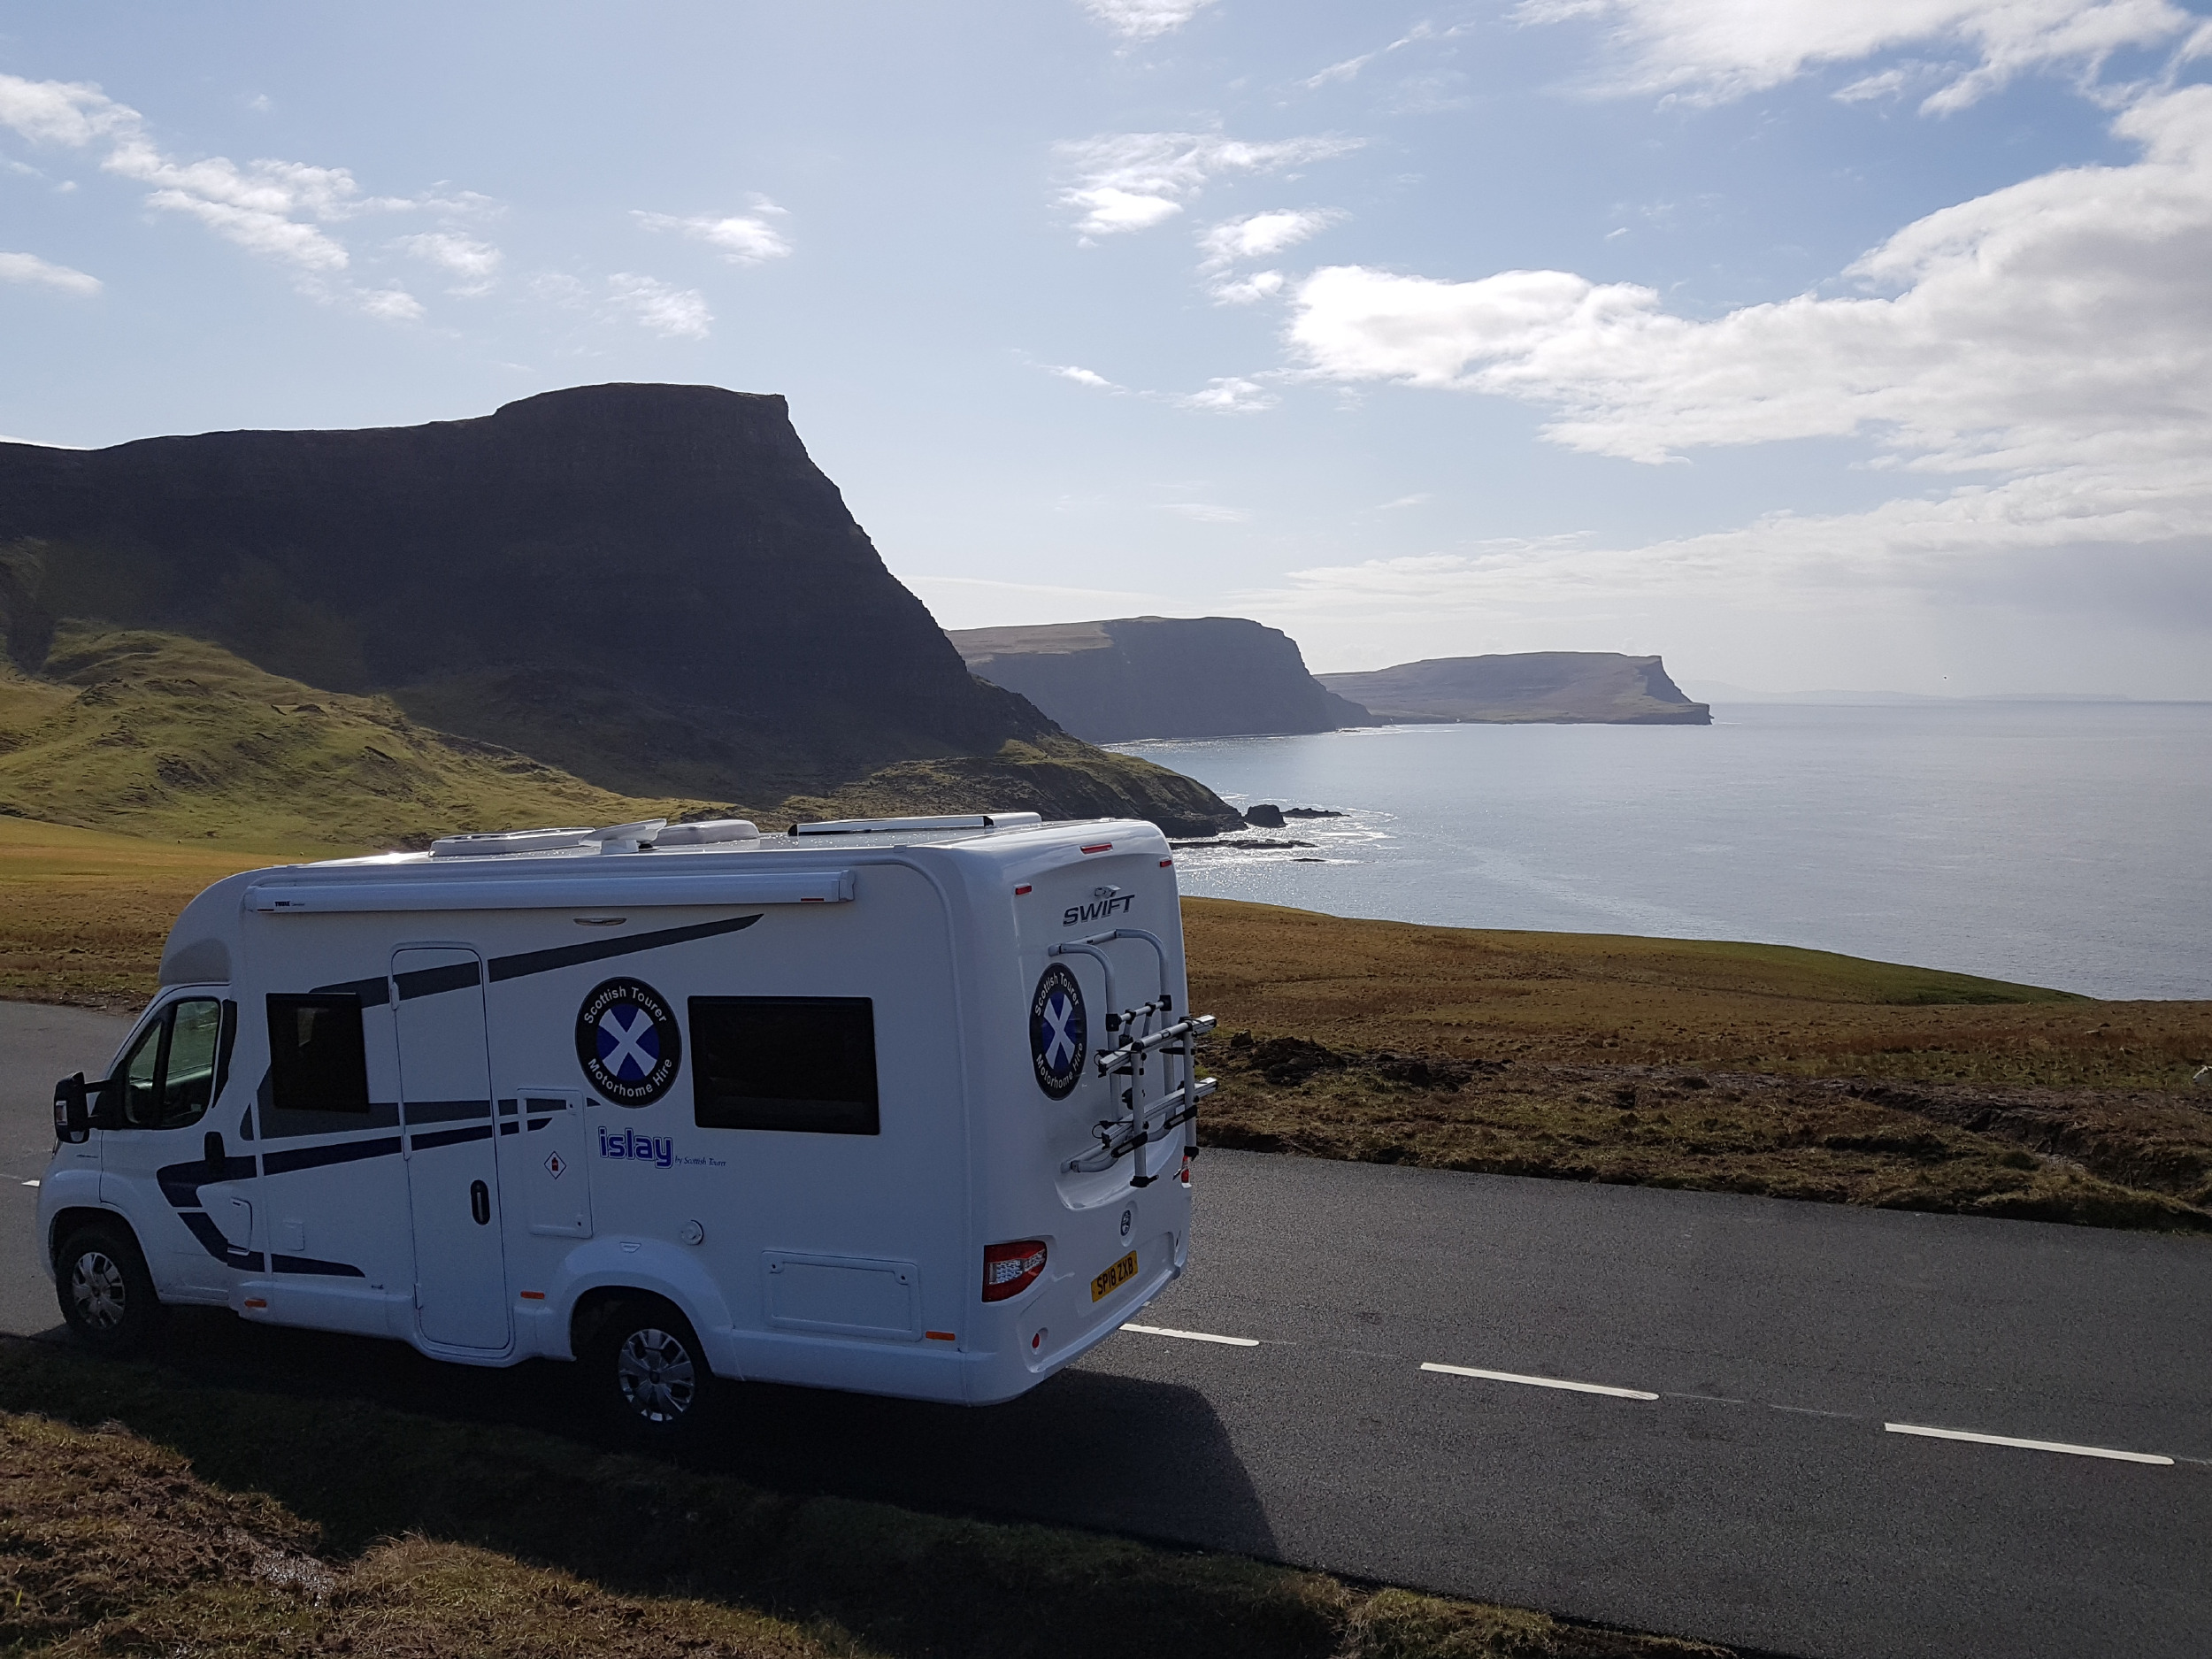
(1539, 1382)
(1193, 1336)
(2030, 1446)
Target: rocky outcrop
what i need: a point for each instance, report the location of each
(1136, 677)
(1567, 687)
(651, 588)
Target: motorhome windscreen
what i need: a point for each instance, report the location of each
(317, 1061)
(790, 1063)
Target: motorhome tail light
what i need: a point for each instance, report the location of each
(1020, 891)
(1165, 863)
(1010, 1269)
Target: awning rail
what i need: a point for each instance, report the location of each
(479, 893)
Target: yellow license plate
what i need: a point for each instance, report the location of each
(1114, 1278)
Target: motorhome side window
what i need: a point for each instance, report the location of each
(169, 1074)
(317, 1061)
(792, 1063)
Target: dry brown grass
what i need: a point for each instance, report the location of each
(83, 913)
(435, 1541)
(1726, 1067)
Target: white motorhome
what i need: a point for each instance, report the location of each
(900, 1106)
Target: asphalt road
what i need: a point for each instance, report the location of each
(1742, 1483)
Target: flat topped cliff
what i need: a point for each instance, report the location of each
(1135, 677)
(652, 587)
(1571, 687)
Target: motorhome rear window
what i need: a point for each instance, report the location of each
(317, 1060)
(794, 1062)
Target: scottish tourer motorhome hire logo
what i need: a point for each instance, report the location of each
(1057, 1035)
(628, 1042)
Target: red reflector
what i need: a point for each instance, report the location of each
(256, 1301)
(533, 1295)
(1010, 1269)
(1020, 891)
(939, 1336)
(1103, 847)
(1165, 863)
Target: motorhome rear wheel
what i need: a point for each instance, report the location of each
(650, 1374)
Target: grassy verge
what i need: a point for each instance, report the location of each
(142, 1511)
(1728, 1067)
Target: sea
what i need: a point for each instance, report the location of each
(2060, 844)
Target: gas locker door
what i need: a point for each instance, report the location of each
(452, 1156)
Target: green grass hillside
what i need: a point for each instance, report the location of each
(154, 734)
(163, 736)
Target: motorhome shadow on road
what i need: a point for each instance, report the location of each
(1060, 1454)
(856, 1106)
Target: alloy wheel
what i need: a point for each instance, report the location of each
(657, 1375)
(96, 1284)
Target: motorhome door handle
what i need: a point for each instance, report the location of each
(212, 1148)
(480, 1202)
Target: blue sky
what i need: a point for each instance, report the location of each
(1811, 343)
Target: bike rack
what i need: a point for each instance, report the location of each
(1175, 1046)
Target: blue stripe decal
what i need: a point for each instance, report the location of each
(308, 1264)
(211, 1240)
(429, 981)
(457, 976)
(453, 1137)
(181, 1183)
(317, 1158)
(446, 1111)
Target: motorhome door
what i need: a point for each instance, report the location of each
(452, 1163)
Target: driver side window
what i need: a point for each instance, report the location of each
(168, 1079)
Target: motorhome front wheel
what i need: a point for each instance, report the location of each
(107, 1296)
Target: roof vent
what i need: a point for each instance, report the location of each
(531, 841)
(628, 838)
(714, 830)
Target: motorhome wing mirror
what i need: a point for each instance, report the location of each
(72, 1116)
(106, 1099)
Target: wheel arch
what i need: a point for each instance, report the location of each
(602, 1302)
(67, 1221)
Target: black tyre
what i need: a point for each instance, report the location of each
(107, 1295)
(649, 1376)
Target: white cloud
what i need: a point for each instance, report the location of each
(1711, 50)
(1260, 285)
(2054, 337)
(1258, 236)
(68, 112)
(475, 262)
(742, 238)
(2054, 320)
(1231, 395)
(672, 313)
(28, 268)
(394, 305)
(1347, 70)
(1081, 376)
(274, 209)
(1208, 512)
(1128, 181)
(1144, 20)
